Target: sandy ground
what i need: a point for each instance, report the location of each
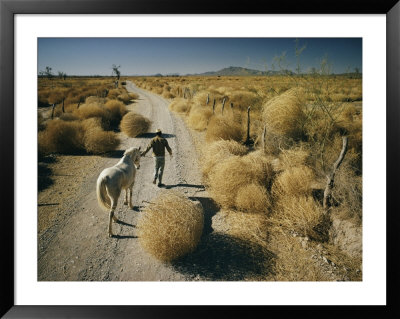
(72, 233)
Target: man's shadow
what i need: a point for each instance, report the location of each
(151, 135)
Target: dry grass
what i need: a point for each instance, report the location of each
(284, 114)
(171, 226)
(61, 137)
(180, 106)
(199, 117)
(117, 110)
(245, 226)
(97, 141)
(218, 151)
(134, 124)
(294, 181)
(234, 173)
(253, 198)
(300, 214)
(224, 128)
(87, 111)
(294, 263)
(293, 157)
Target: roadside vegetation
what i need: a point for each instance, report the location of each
(268, 173)
(80, 115)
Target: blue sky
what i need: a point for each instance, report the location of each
(146, 56)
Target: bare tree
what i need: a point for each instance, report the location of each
(116, 71)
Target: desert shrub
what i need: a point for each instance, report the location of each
(220, 127)
(180, 106)
(347, 193)
(167, 94)
(218, 151)
(133, 124)
(87, 111)
(125, 97)
(171, 226)
(243, 99)
(293, 262)
(95, 100)
(199, 117)
(295, 181)
(293, 157)
(284, 114)
(69, 117)
(97, 141)
(245, 226)
(61, 137)
(300, 214)
(117, 110)
(253, 198)
(234, 173)
(133, 96)
(113, 93)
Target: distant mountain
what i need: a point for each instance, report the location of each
(239, 71)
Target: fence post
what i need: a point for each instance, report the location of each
(223, 105)
(248, 126)
(52, 110)
(263, 138)
(214, 107)
(63, 105)
(331, 177)
(231, 106)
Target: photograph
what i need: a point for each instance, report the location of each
(200, 159)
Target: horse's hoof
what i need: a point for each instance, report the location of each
(131, 207)
(125, 203)
(110, 235)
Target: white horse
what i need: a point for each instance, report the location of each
(114, 179)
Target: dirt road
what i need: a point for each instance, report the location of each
(76, 246)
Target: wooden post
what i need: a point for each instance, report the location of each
(223, 105)
(208, 99)
(214, 107)
(263, 138)
(63, 105)
(231, 106)
(248, 126)
(52, 110)
(331, 178)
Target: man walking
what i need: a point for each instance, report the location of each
(158, 144)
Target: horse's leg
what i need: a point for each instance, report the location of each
(130, 196)
(126, 197)
(112, 216)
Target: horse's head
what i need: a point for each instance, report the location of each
(134, 154)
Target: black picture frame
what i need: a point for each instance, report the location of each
(9, 8)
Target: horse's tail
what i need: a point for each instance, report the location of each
(102, 197)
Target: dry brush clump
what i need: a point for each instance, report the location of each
(245, 226)
(253, 198)
(96, 140)
(300, 214)
(218, 151)
(133, 124)
(284, 114)
(180, 105)
(117, 111)
(220, 127)
(61, 137)
(230, 175)
(295, 181)
(199, 117)
(171, 226)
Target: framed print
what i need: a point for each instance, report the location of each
(280, 159)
